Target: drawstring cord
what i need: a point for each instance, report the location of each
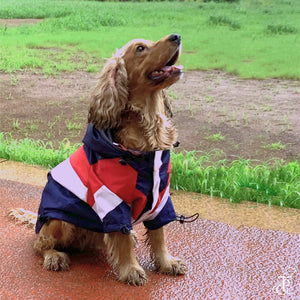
(183, 219)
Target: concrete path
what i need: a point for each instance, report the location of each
(226, 260)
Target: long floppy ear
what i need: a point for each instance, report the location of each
(110, 95)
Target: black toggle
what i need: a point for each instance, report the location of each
(176, 144)
(183, 219)
(42, 219)
(125, 230)
(123, 162)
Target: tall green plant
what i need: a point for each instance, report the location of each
(272, 183)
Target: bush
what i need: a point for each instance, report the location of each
(223, 20)
(281, 29)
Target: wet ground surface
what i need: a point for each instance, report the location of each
(225, 261)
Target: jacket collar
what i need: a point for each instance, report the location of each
(101, 141)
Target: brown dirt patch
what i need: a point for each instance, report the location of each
(248, 114)
(19, 22)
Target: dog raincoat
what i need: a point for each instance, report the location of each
(104, 187)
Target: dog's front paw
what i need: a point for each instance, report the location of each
(134, 275)
(56, 261)
(173, 266)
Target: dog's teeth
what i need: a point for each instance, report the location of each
(157, 73)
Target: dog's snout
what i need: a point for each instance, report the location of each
(175, 38)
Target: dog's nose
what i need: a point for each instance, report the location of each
(175, 38)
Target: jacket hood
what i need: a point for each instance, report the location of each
(101, 141)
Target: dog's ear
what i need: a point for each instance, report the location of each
(110, 95)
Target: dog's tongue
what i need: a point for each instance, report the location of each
(170, 69)
(167, 68)
(165, 71)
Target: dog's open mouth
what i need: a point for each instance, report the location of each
(168, 70)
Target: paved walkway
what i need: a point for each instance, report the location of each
(225, 260)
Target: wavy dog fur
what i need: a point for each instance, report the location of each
(128, 99)
(110, 95)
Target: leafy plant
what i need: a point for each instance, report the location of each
(32, 126)
(216, 137)
(281, 29)
(275, 146)
(13, 80)
(266, 107)
(173, 95)
(223, 20)
(73, 125)
(16, 124)
(271, 183)
(35, 152)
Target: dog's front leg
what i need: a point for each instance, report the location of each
(164, 262)
(121, 255)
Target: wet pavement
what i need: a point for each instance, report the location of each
(226, 259)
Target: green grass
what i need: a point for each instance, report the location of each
(252, 39)
(73, 125)
(281, 29)
(35, 152)
(32, 126)
(218, 137)
(223, 21)
(16, 124)
(273, 183)
(275, 146)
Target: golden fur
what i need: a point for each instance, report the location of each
(129, 99)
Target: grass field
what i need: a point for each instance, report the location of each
(250, 38)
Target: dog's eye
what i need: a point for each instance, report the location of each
(140, 48)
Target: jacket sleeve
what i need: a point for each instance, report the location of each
(164, 216)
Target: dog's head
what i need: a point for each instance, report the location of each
(150, 65)
(139, 67)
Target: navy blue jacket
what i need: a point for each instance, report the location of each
(104, 187)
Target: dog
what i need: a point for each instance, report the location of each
(121, 174)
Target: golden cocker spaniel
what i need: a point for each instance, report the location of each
(130, 115)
